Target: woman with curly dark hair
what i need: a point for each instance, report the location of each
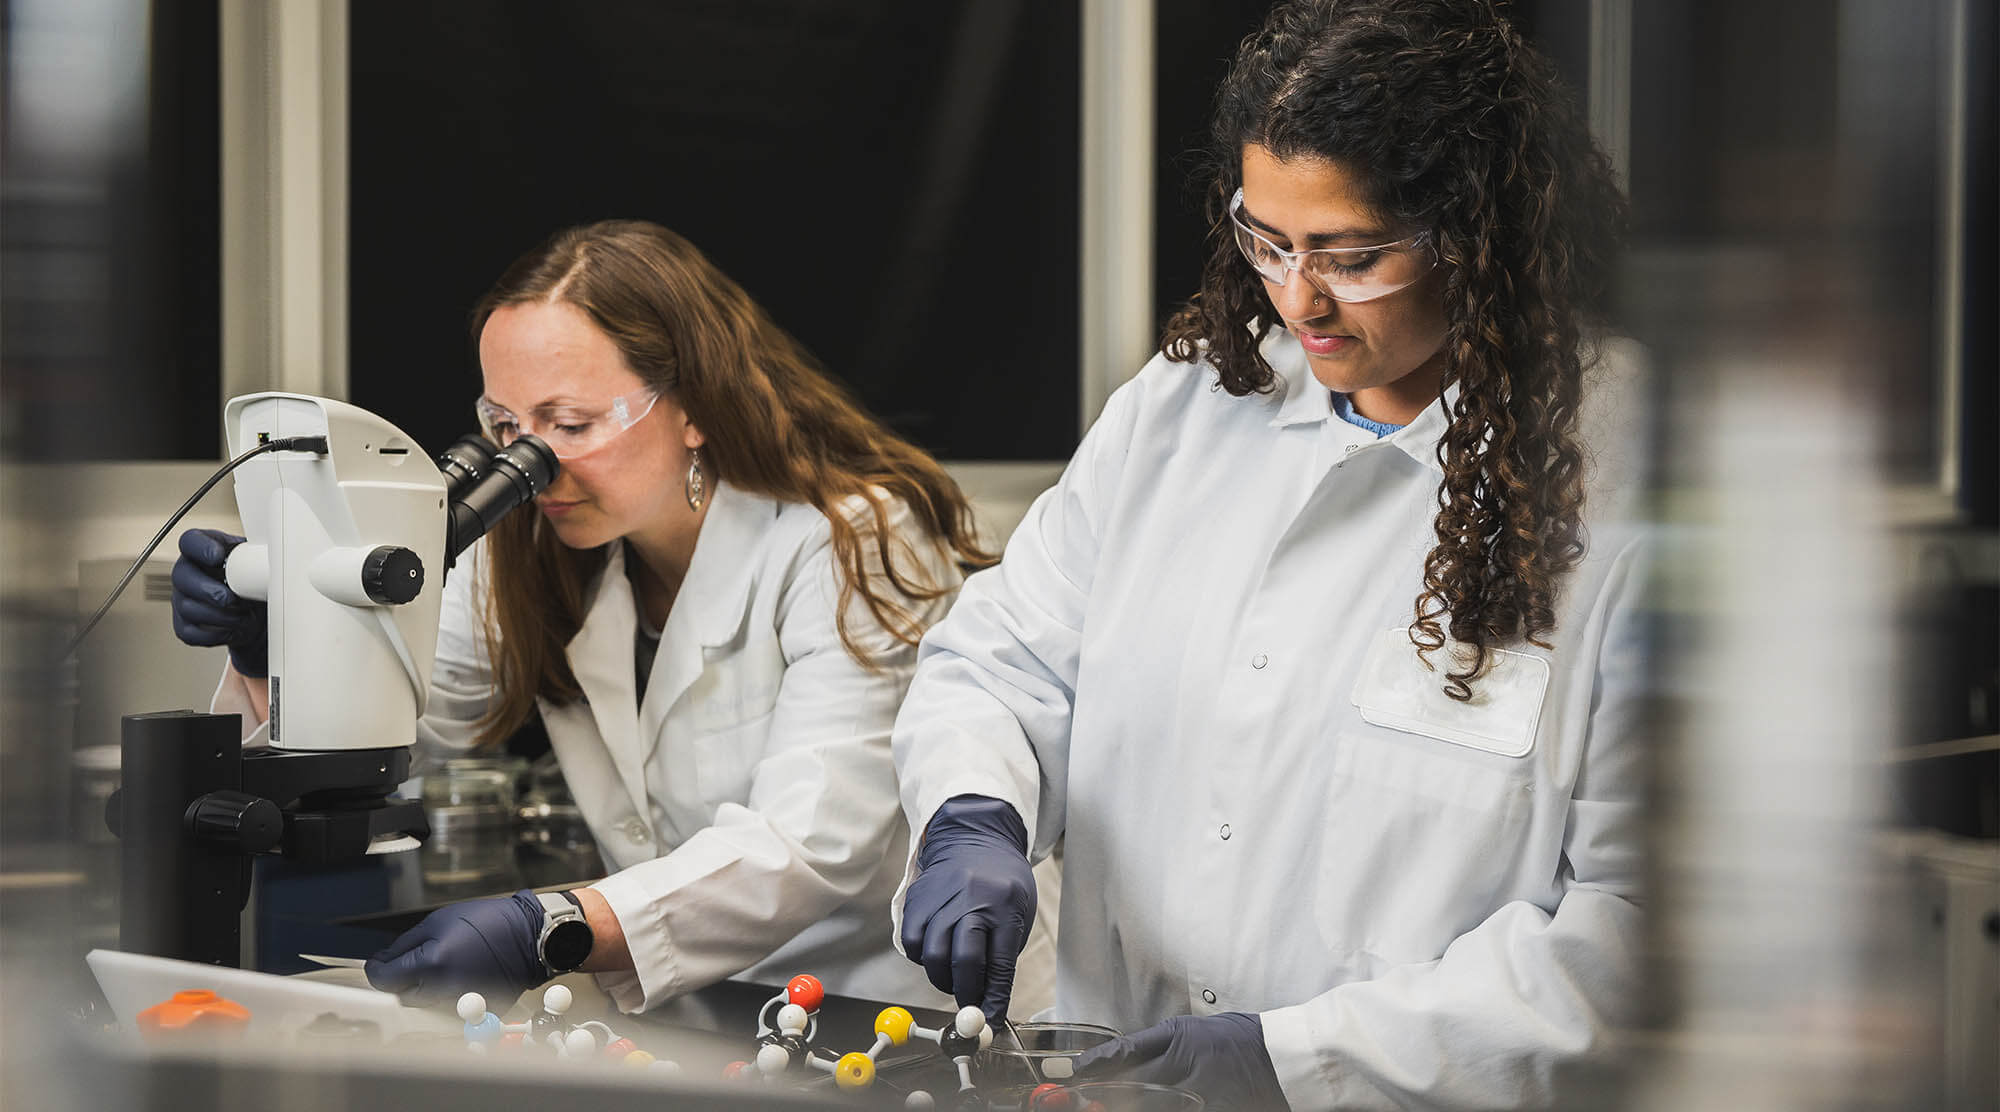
(1309, 658)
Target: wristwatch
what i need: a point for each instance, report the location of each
(566, 939)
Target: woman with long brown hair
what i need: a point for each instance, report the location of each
(1309, 656)
(714, 610)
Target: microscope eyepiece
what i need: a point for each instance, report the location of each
(531, 460)
(515, 474)
(463, 462)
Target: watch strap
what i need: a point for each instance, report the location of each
(558, 905)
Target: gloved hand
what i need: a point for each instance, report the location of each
(207, 612)
(1222, 1057)
(486, 946)
(968, 913)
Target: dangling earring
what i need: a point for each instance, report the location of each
(697, 483)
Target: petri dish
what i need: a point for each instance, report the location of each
(1045, 1052)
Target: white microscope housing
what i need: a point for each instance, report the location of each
(349, 529)
(348, 549)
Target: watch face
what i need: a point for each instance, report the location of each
(568, 943)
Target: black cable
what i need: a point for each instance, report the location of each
(281, 444)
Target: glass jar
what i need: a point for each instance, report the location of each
(471, 803)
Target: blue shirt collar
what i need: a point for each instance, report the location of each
(1344, 410)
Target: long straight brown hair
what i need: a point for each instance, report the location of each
(774, 422)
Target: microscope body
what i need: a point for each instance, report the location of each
(348, 548)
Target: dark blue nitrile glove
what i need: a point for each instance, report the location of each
(207, 612)
(1222, 1057)
(968, 913)
(485, 946)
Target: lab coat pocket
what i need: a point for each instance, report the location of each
(730, 707)
(1396, 690)
(1418, 845)
(1428, 807)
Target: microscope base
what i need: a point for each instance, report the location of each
(195, 807)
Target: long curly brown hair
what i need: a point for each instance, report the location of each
(774, 422)
(1450, 122)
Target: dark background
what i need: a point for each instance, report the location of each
(894, 180)
(111, 267)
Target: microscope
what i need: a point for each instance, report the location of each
(349, 529)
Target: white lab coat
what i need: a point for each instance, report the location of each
(747, 806)
(1191, 663)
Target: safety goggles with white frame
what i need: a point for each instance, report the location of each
(1346, 274)
(569, 430)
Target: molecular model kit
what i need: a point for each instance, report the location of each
(789, 1051)
(548, 1030)
(787, 1054)
(784, 1043)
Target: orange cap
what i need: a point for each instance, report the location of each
(195, 1009)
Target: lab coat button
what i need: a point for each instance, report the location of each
(1224, 832)
(1259, 660)
(1208, 996)
(635, 829)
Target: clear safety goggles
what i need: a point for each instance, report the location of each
(1349, 274)
(569, 431)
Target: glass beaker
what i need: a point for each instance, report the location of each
(471, 804)
(1038, 1052)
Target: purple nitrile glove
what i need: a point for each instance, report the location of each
(207, 612)
(487, 946)
(1221, 1056)
(968, 913)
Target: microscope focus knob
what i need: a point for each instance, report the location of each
(236, 821)
(392, 575)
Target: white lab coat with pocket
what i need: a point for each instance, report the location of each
(747, 806)
(1192, 663)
